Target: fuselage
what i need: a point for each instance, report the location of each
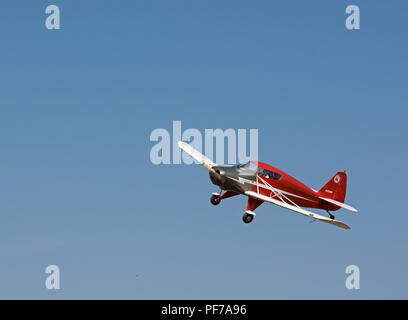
(265, 179)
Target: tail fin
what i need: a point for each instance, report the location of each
(336, 187)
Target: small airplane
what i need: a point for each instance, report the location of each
(261, 182)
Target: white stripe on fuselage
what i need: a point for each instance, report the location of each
(243, 181)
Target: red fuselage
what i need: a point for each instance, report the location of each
(292, 188)
(264, 179)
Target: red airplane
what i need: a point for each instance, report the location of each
(261, 182)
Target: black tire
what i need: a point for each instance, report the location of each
(214, 200)
(247, 218)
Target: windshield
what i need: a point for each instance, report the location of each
(249, 166)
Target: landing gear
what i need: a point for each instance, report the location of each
(247, 218)
(331, 216)
(215, 199)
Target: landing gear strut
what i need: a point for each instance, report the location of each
(331, 216)
(247, 218)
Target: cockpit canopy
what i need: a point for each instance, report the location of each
(253, 168)
(269, 174)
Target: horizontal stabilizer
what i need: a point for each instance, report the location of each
(340, 204)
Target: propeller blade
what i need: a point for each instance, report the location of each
(196, 155)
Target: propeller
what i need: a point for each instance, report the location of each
(199, 157)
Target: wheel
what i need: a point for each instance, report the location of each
(247, 218)
(214, 200)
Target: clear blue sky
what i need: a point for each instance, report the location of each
(77, 188)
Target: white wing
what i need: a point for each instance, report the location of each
(297, 209)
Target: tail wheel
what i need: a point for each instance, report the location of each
(247, 218)
(214, 199)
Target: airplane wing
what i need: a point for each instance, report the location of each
(340, 204)
(297, 209)
(196, 155)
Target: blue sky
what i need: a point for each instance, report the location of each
(77, 188)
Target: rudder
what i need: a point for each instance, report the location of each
(335, 188)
